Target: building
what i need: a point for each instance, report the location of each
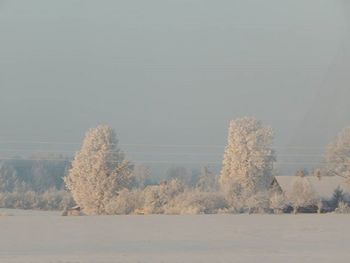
(321, 189)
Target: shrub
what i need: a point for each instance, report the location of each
(277, 202)
(156, 197)
(125, 203)
(49, 200)
(342, 208)
(195, 202)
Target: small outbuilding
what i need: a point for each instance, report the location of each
(323, 189)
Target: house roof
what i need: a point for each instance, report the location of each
(323, 187)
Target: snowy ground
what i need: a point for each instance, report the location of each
(47, 237)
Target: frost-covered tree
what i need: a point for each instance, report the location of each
(207, 181)
(277, 202)
(258, 203)
(179, 173)
(248, 160)
(338, 155)
(142, 175)
(338, 196)
(99, 171)
(302, 194)
(343, 208)
(8, 178)
(157, 197)
(47, 171)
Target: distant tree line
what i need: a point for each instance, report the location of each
(100, 180)
(34, 184)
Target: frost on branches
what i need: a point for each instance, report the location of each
(338, 155)
(277, 202)
(302, 194)
(157, 197)
(248, 161)
(99, 171)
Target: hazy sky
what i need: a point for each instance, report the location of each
(163, 72)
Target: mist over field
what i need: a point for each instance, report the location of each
(172, 73)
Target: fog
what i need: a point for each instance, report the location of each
(171, 74)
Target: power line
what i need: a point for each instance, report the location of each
(150, 145)
(171, 162)
(154, 153)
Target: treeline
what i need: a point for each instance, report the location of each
(100, 180)
(36, 183)
(49, 200)
(37, 173)
(103, 181)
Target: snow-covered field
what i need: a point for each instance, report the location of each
(27, 236)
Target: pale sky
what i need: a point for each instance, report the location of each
(169, 72)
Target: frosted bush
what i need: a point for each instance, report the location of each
(125, 203)
(342, 208)
(258, 203)
(156, 197)
(302, 194)
(7, 200)
(25, 200)
(50, 200)
(277, 202)
(235, 197)
(195, 202)
(54, 200)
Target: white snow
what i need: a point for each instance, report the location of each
(47, 237)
